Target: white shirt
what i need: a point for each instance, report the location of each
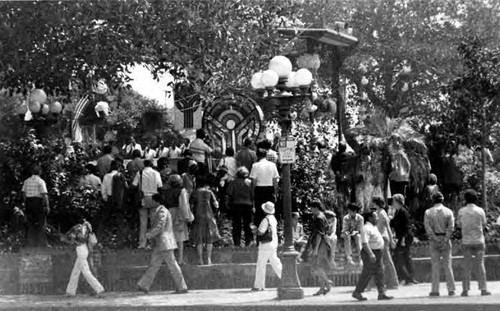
(175, 152)
(371, 236)
(131, 147)
(264, 172)
(472, 219)
(270, 220)
(149, 154)
(150, 181)
(198, 147)
(230, 163)
(162, 152)
(107, 184)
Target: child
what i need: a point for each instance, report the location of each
(299, 237)
(331, 236)
(79, 235)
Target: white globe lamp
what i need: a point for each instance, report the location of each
(269, 78)
(256, 81)
(281, 65)
(303, 77)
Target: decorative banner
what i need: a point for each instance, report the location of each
(75, 123)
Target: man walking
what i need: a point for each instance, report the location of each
(371, 254)
(148, 181)
(401, 222)
(163, 234)
(472, 220)
(439, 224)
(36, 201)
(264, 175)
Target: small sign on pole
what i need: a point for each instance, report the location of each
(287, 150)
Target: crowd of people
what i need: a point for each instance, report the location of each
(179, 204)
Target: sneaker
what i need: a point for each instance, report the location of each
(484, 292)
(384, 297)
(181, 291)
(451, 293)
(358, 296)
(254, 289)
(464, 293)
(412, 281)
(433, 294)
(402, 283)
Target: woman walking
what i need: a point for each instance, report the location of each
(79, 235)
(205, 231)
(177, 202)
(268, 245)
(320, 249)
(383, 225)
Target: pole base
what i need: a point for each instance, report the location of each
(289, 293)
(290, 285)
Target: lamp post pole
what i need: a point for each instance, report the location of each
(287, 88)
(290, 285)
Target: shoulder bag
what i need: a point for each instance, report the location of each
(267, 236)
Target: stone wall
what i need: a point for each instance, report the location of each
(36, 271)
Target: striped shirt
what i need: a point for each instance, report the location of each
(439, 221)
(34, 187)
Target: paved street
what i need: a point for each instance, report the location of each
(406, 298)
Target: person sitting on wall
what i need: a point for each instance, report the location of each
(352, 224)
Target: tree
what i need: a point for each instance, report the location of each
(474, 105)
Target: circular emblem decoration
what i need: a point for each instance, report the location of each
(230, 119)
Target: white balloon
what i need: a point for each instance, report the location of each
(102, 106)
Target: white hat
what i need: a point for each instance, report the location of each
(268, 207)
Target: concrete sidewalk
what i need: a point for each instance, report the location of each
(414, 297)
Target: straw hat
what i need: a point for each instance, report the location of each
(268, 207)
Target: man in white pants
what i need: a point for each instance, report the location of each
(267, 250)
(79, 235)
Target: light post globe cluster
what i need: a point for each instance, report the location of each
(281, 75)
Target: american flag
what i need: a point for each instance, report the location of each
(75, 124)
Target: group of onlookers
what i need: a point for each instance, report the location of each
(177, 205)
(383, 238)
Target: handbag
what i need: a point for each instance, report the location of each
(267, 236)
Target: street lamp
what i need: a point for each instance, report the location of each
(289, 90)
